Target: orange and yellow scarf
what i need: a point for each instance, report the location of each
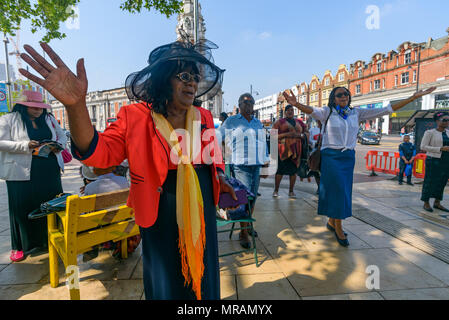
(189, 201)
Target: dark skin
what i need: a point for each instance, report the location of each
(33, 114)
(343, 102)
(441, 127)
(71, 90)
(289, 114)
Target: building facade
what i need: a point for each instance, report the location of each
(103, 107)
(397, 75)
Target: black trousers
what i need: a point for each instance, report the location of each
(402, 166)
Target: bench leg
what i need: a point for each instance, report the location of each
(124, 248)
(73, 278)
(53, 265)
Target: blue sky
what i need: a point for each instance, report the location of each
(268, 44)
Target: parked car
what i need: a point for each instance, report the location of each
(369, 137)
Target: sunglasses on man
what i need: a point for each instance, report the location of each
(342, 94)
(248, 102)
(445, 120)
(187, 77)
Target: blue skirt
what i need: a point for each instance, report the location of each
(337, 175)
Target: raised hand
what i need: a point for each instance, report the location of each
(290, 97)
(68, 88)
(421, 93)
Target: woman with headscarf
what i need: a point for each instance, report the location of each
(31, 179)
(340, 125)
(175, 163)
(436, 143)
(292, 133)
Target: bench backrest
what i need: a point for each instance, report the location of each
(88, 213)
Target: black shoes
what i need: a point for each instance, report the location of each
(440, 207)
(429, 209)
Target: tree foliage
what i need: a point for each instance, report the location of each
(49, 14)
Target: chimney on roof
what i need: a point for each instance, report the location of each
(429, 42)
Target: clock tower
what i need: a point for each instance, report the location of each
(186, 26)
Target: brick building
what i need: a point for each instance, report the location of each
(396, 75)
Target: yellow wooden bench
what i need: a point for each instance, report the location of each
(88, 221)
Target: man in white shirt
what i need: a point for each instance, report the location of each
(107, 181)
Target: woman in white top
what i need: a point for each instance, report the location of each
(340, 126)
(31, 178)
(436, 144)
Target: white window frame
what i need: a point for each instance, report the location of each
(327, 81)
(313, 85)
(358, 89)
(396, 80)
(414, 75)
(409, 55)
(341, 77)
(379, 66)
(360, 73)
(377, 84)
(402, 78)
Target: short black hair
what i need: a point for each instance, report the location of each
(332, 103)
(289, 106)
(246, 95)
(437, 116)
(224, 115)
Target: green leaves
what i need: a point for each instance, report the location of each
(44, 14)
(49, 14)
(167, 7)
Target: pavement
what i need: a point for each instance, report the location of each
(397, 251)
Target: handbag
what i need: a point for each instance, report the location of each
(54, 205)
(314, 160)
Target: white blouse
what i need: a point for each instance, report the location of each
(341, 133)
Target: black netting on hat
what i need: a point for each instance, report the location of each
(138, 83)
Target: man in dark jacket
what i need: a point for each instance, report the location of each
(407, 152)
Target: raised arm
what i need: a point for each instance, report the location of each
(417, 95)
(291, 99)
(68, 88)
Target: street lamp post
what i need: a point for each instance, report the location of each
(8, 79)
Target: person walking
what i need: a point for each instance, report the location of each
(31, 179)
(407, 152)
(436, 144)
(175, 185)
(244, 136)
(292, 138)
(340, 126)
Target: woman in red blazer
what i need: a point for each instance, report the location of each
(174, 186)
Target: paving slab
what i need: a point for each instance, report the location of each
(417, 294)
(319, 238)
(431, 265)
(228, 287)
(5, 249)
(343, 272)
(374, 237)
(351, 296)
(272, 286)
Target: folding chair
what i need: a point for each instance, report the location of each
(250, 220)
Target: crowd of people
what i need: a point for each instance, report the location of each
(175, 160)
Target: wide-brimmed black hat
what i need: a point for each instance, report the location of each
(199, 53)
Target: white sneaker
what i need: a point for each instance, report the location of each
(275, 194)
(292, 195)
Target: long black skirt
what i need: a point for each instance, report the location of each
(26, 196)
(435, 180)
(162, 275)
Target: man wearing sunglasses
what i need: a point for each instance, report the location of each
(245, 137)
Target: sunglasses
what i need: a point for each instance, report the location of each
(248, 101)
(444, 120)
(187, 77)
(342, 94)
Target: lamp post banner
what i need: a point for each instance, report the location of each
(3, 99)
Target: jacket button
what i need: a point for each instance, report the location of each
(159, 189)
